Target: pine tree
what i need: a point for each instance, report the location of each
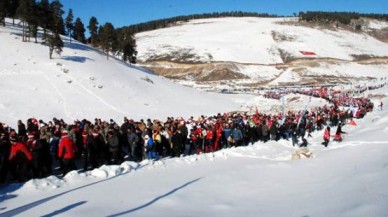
(79, 30)
(127, 45)
(33, 23)
(55, 43)
(44, 17)
(108, 39)
(93, 30)
(54, 40)
(3, 11)
(57, 20)
(24, 13)
(11, 8)
(69, 23)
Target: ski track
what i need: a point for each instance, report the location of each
(95, 95)
(67, 113)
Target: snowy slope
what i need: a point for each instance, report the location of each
(255, 40)
(82, 83)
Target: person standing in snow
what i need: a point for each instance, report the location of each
(177, 143)
(19, 160)
(184, 132)
(150, 148)
(35, 147)
(22, 131)
(227, 132)
(264, 131)
(113, 144)
(237, 136)
(5, 148)
(132, 142)
(66, 152)
(326, 136)
(381, 106)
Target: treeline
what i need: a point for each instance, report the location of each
(341, 17)
(49, 17)
(163, 23)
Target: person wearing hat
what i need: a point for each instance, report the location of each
(35, 147)
(20, 160)
(93, 148)
(66, 152)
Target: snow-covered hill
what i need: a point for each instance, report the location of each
(82, 83)
(255, 51)
(255, 40)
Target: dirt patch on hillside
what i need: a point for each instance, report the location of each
(373, 61)
(199, 72)
(279, 37)
(377, 96)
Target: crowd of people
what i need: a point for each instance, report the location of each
(34, 149)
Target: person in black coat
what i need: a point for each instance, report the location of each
(92, 150)
(35, 147)
(114, 148)
(22, 131)
(5, 148)
(177, 143)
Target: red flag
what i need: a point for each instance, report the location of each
(352, 122)
(307, 53)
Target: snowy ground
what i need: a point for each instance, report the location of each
(82, 83)
(345, 179)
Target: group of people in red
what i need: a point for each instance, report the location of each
(36, 149)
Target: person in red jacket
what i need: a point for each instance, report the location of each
(66, 153)
(209, 140)
(19, 160)
(326, 136)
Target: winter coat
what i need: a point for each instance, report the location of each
(132, 138)
(5, 147)
(149, 144)
(326, 134)
(227, 133)
(184, 131)
(66, 148)
(177, 141)
(22, 131)
(35, 147)
(113, 142)
(19, 147)
(264, 130)
(209, 134)
(273, 129)
(237, 134)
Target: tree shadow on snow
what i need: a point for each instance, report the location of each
(5, 193)
(77, 46)
(155, 200)
(79, 59)
(65, 209)
(31, 205)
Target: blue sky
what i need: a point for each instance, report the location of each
(127, 12)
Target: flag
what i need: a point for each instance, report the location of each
(307, 53)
